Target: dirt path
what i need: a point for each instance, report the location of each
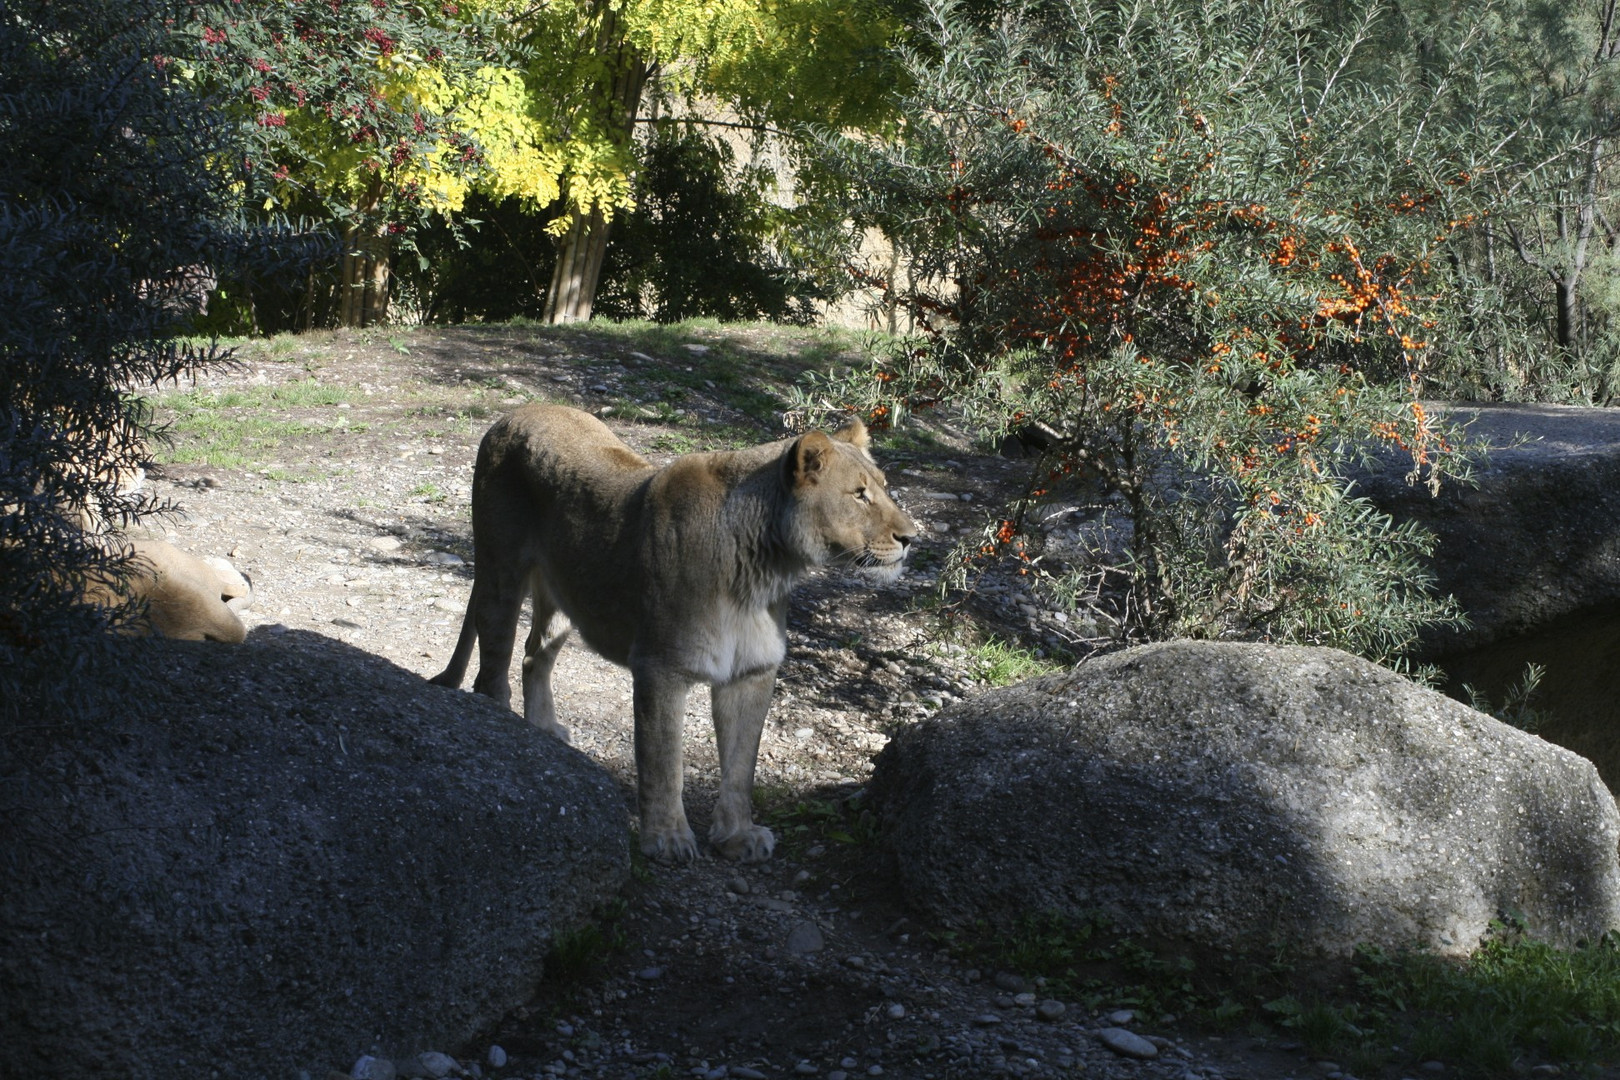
(335, 471)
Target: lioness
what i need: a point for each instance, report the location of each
(680, 573)
(184, 597)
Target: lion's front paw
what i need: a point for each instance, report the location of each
(751, 843)
(675, 844)
(558, 732)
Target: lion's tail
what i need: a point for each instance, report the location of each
(456, 670)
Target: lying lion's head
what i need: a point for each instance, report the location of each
(844, 514)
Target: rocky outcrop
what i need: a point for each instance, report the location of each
(283, 855)
(1238, 797)
(1538, 537)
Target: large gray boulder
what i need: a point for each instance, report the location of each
(1237, 797)
(282, 855)
(1538, 537)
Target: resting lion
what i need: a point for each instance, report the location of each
(680, 573)
(183, 596)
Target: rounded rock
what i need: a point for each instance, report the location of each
(805, 938)
(372, 1068)
(1127, 1043)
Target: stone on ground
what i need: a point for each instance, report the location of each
(290, 853)
(1238, 797)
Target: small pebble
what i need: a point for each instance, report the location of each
(804, 1068)
(1127, 1043)
(987, 1019)
(1121, 1016)
(650, 973)
(896, 1011)
(496, 1057)
(745, 1073)
(1433, 1067)
(874, 1070)
(738, 885)
(848, 1063)
(1024, 1000)
(1051, 1010)
(372, 1068)
(717, 1074)
(805, 938)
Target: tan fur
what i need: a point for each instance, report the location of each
(681, 574)
(183, 596)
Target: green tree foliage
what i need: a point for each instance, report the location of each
(586, 64)
(360, 116)
(1212, 270)
(380, 116)
(1551, 253)
(111, 211)
(699, 241)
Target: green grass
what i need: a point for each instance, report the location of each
(1513, 1004)
(800, 822)
(305, 393)
(1001, 664)
(243, 428)
(576, 953)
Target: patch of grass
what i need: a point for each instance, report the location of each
(911, 438)
(1514, 1003)
(1086, 960)
(1515, 1000)
(1001, 664)
(291, 476)
(674, 442)
(1516, 707)
(576, 953)
(801, 822)
(303, 393)
(242, 428)
(657, 412)
(428, 491)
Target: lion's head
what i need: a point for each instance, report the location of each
(843, 512)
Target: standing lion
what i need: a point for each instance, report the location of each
(680, 573)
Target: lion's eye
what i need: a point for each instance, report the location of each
(862, 496)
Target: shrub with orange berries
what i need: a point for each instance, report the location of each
(1222, 303)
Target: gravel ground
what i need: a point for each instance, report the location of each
(349, 512)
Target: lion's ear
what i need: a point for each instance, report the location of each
(805, 459)
(855, 434)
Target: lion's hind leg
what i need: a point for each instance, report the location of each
(547, 633)
(739, 717)
(497, 601)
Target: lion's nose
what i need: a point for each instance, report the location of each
(905, 538)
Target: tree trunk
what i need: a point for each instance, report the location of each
(579, 261)
(363, 279)
(578, 269)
